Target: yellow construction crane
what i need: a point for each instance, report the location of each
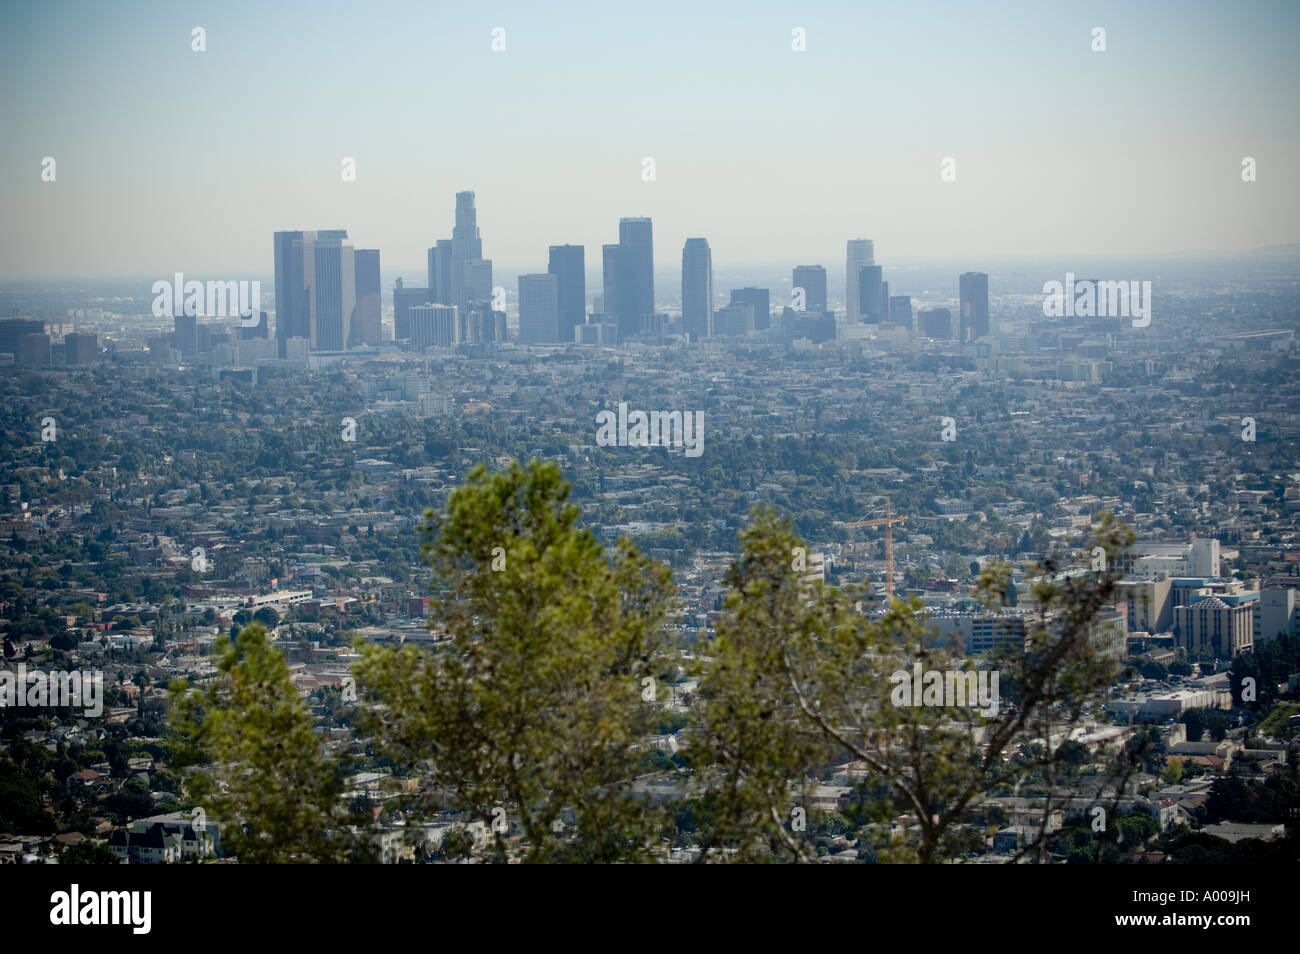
(887, 521)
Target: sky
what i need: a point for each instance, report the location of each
(168, 159)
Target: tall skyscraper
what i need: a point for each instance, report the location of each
(367, 329)
(567, 265)
(812, 279)
(539, 310)
(466, 246)
(974, 289)
(334, 296)
(861, 253)
(760, 299)
(439, 278)
(697, 289)
(636, 275)
(869, 282)
(609, 262)
(186, 335)
(292, 312)
(296, 302)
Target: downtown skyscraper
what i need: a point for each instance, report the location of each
(471, 273)
(366, 328)
(629, 279)
(812, 279)
(567, 265)
(974, 292)
(873, 290)
(539, 311)
(315, 288)
(697, 289)
(860, 254)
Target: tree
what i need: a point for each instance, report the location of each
(88, 853)
(1194, 719)
(266, 777)
(1216, 720)
(531, 709)
(1154, 670)
(796, 673)
(1173, 772)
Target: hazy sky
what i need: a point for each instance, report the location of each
(171, 160)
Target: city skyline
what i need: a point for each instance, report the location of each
(1164, 154)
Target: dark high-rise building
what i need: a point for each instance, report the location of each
(476, 287)
(974, 287)
(816, 326)
(636, 275)
(884, 302)
(697, 289)
(186, 335)
(367, 328)
(760, 299)
(82, 348)
(900, 310)
(292, 311)
(439, 278)
(33, 351)
(11, 329)
(870, 278)
(812, 279)
(404, 299)
(259, 330)
(609, 260)
(539, 312)
(936, 323)
(296, 301)
(568, 267)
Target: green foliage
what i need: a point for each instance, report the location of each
(535, 699)
(1173, 771)
(88, 853)
(266, 779)
(796, 674)
(1154, 670)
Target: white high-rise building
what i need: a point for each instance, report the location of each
(434, 326)
(861, 252)
(333, 293)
